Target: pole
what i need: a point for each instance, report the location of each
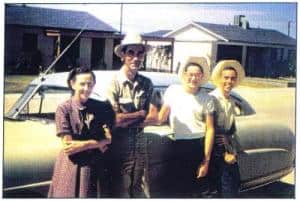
(121, 18)
(289, 27)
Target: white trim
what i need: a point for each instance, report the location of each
(264, 150)
(176, 29)
(197, 41)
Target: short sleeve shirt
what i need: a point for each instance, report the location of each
(130, 96)
(224, 112)
(188, 111)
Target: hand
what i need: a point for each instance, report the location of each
(203, 169)
(74, 146)
(107, 132)
(229, 158)
(102, 145)
(142, 113)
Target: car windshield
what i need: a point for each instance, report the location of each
(41, 104)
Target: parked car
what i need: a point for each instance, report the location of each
(267, 148)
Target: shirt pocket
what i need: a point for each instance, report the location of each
(140, 100)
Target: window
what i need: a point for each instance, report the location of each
(44, 103)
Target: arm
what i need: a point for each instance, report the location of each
(208, 145)
(163, 114)
(125, 119)
(151, 118)
(71, 146)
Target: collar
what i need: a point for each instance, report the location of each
(122, 78)
(217, 92)
(77, 105)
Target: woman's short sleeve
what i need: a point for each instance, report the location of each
(210, 105)
(62, 120)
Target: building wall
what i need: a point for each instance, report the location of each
(14, 44)
(192, 41)
(46, 45)
(192, 33)
(182, 50)
(85, 52)
(108, 53)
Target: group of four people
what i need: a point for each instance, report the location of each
(104, 147)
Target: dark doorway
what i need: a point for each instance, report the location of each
(117, 63)
(229, 52)
(29, 60)
(29, 42)
(97, 58)
(70, 59)
(255, 65)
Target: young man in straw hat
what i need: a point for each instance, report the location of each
(191, 119)
(130, 95)
(224, 170)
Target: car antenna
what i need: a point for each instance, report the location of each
(22, 101)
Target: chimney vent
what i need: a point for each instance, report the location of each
(240, 20)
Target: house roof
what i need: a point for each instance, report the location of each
(54, 18)
(159, 33)
(236, 33)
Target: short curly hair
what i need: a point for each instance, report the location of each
(77, 71)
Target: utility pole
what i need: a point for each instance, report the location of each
(289, 26)
(121, 18)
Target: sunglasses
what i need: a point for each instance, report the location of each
(133, 53)
(196, 75)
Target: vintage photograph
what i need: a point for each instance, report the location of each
(149, 100)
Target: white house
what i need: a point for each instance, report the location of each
(262, 52)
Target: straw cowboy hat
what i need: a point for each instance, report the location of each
(131, 38)
(216, 74)
(201, 61)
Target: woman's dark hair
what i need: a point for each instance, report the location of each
(193, 64)
(77, 71)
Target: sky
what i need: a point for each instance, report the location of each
(149, 17)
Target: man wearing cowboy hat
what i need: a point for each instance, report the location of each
(191, 118)
(226, 75)
(130, 95)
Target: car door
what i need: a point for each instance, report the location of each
(30, 144)
(266, 147)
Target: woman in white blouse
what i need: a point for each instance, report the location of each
(190, 110)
